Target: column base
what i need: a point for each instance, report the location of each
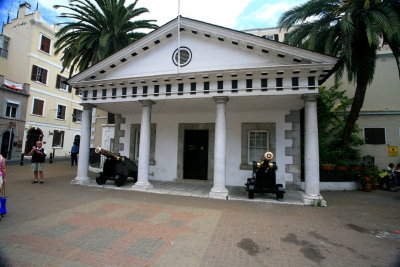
(81, 180)
(219, 193)
(310, 200)
(142, 186)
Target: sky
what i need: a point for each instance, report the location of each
(235, 14)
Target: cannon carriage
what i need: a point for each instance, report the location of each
(263, 178)
(116, 167)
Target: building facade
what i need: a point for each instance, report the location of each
(379, 120)
(53, 110)
(205, 111)
(13, 106)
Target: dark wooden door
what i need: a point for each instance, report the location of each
(195, 162)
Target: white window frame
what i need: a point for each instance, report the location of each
(40, 44)
(248, 143)
(10, 101)
(12, 107)
(33, 105)
(65, 113)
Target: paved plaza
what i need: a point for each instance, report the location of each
(62, 224)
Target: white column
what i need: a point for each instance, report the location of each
(144, 148)
(219, 190)
(311, 149)
(84, 146)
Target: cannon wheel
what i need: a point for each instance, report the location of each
(279, 195)
(119, 180)
(101, 179)
(251, 194)
(279, 192)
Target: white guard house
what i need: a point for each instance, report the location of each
(231, 97)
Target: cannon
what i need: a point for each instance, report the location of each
(263, 178)
(116, 167)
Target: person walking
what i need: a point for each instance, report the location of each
(2, 171)
(38, 156)
(74, 154)
(2, 186)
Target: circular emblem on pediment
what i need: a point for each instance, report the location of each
(184, 57)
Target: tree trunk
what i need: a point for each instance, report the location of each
(358, 101)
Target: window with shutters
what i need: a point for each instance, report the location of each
(58, 138)
(60, 83)
(61, 112)
(375, 136)
(39, 74)
(37, 106)
(77, 115)
(45, 44)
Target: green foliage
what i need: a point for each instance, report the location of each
(94, 31)
(353, 31)
(369, 175)
(318, 203)
(332, 111)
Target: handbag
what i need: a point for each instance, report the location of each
(3, 200)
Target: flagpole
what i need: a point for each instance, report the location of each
(179, 36)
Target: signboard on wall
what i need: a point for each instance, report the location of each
(393, 151)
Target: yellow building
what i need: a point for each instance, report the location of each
(53, 112)
(379, 119)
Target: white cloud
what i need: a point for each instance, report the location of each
(267, 14)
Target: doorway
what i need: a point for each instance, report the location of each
(33, 135)
(195, 157)
(7, 144)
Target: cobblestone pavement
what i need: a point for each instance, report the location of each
(60, 224)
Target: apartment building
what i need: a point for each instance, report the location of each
(53, 112)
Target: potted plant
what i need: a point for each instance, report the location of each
(375, 182)
(373, 172)
(366, 183)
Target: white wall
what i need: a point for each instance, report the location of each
(206, 56)
(166, 152)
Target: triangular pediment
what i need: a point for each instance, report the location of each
(207, 48)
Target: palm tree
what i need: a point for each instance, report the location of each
(95, 31)
(352, 30)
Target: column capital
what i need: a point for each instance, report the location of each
(87, 106)
(146, 103)
(310, 97)
(221, 99)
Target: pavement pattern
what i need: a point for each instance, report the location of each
(112, 232)
(61, 224)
